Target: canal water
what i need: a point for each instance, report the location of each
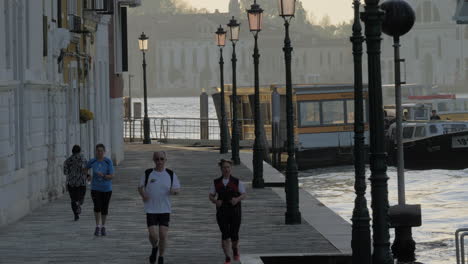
(443, 194)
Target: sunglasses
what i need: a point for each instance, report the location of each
(159, 158)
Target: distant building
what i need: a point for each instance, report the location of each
(435, 50)
(183, 57)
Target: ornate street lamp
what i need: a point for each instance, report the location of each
(143, 44)
(361, 235)
(234, 29)
(399, 19)
(287, 9)
(221, 42)
(373, 17)
(255, 15)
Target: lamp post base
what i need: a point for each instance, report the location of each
(293, 218)
(258, 183)
(146, 129)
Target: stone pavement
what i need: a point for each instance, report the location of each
(49, 234)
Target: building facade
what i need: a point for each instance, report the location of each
(54, 61)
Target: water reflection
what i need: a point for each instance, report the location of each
(441, 194)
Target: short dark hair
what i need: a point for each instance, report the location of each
(222, 161)
(76, 149)
(100, 146)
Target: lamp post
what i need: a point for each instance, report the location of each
(234, 29)
(255, 16)
(287, 9)
(143, 44)
(373, 17)
(221, 42)
(399, 19)
(361, 235)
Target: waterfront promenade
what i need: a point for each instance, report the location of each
(49, 234)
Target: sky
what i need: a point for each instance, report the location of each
(338, 10)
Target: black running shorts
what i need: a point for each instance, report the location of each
(158, 219)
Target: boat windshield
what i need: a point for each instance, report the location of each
(420, 131)
(408, 132)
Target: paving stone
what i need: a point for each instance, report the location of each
(49, 234)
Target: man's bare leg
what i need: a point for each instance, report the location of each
(163, 230)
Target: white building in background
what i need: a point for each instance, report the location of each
(435, 50)
(55, 59)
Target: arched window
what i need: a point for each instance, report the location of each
(427, 12)
(416, 48)
(391, 77)
(439, 46)
(436, 13)
(419, 14)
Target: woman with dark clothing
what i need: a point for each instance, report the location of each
(101, 187)
(76, 179)
(227, 192)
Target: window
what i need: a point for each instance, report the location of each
(333, 112)
(442, 107)
(439, 46)
(459, 106)
(416, 48)
(427, 15)
(466, 68)
(420, 131)
(309, 114)
(72, 9)
(436, 13)
(408, 132)
(350, 111)
(433, 129)
(466, 105)
(421, 114)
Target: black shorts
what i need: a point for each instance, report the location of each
(158, 219)
(229, 222)
(101, 201)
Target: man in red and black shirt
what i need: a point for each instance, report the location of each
(227, 193)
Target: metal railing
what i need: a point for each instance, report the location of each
(166, 128)
(183, 130)
(460, 235)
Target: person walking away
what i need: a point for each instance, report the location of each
(101, 187)
(155, 188)
(434, 115)
(227, 192)
(73, 168)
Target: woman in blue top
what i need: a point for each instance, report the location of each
(101, 187)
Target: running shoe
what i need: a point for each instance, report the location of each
(160, 260)
(228, 260)
(77, 217)
(154, 253)
(103, 231)
(236, 254)
(97, 231)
